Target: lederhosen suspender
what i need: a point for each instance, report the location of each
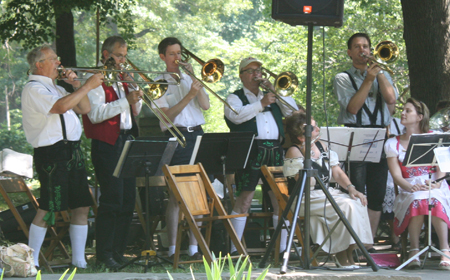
(61, 116)
(372, 115)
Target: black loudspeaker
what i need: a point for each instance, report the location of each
(304, 12)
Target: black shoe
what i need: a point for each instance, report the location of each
(109, 263)
(196, 257)
(120, 259)
(371, 250)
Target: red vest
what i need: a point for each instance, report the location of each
(107, 131)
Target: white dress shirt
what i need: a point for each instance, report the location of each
(192, 114)
(101, 111)
(267, 126)
(41, 127)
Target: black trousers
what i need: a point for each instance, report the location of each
(117, 199)
(370, 178)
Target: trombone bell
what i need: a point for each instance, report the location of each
(386, 52)
(286, 83)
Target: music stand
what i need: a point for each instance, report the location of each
(223, 153)
(420, 152)
(145, 157)
(356, 144)
(303, 186)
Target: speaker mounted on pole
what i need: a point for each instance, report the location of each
(304, 12)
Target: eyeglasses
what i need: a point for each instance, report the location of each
(251, 71)
(119, 56)
(51, 58)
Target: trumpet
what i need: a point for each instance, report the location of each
(212, 71)
(385, 52)
(286, 84)
(155, 91)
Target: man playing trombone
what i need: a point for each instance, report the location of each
(261, 113)
(183, 105)
(367, 98)
(52, 127)
(109, 124)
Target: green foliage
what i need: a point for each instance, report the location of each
(38, 276)
(14, 138)
(33, 22)
(215, 271)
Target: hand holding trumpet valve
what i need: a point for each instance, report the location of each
(373, 70)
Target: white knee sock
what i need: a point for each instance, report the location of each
(35, 240)
(283, 233)
(193, 249)
(239, 226)
(78, 236)
(171, 250)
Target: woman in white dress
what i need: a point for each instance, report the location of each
(323, 216)
(411, 204)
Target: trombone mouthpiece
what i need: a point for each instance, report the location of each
(177, 61)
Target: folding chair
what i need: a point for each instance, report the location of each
(279, 186)
(10, 183)
(190, 186)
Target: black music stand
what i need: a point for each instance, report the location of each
(223, 153)
(420, 152)
(303, 186)
(145, 157)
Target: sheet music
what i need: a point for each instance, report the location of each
(367, 143)
(443, 158)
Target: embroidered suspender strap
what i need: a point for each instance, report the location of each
(61, 117)
(372, 115)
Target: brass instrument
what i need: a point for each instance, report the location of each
(155, 91)
(385, 52)
(286, 84)
(108, 70)
(212, 71)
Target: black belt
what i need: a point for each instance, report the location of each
(189, 128)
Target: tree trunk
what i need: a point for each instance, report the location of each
(426, 34)
(65, 39)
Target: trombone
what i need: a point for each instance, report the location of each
(385, 52)
(155, 91)
(109, 71)
(212, 71)
(285, 84)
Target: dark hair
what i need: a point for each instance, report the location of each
(442, 105)
(169, 41)
(421, 109)
(109, 43)
(295, 126)
(356, 35)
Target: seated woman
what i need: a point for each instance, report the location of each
(411, 204)
(323, 216)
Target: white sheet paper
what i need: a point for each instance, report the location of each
(361, 148)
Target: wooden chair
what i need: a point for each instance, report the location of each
(196, 196)
(279, 186)
(10, 183)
